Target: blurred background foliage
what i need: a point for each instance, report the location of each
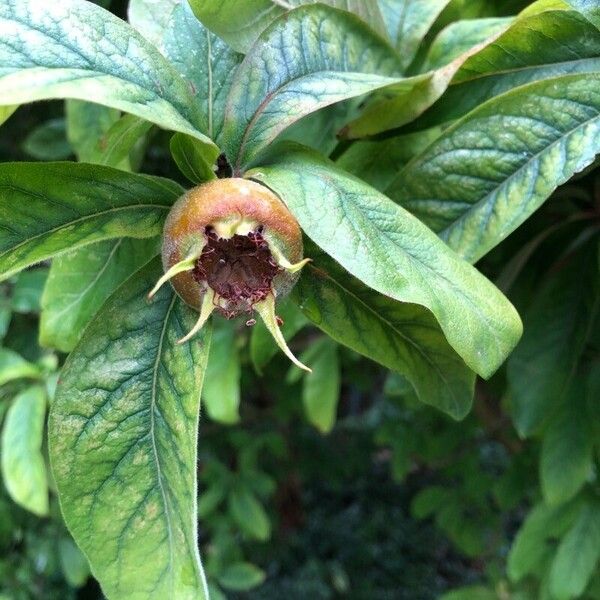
(343, 485)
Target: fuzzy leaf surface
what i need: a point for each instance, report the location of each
(489, 172)
(151, 17)
(395, 254)
(402, 337)
(408, 21)
(204, 60)
(47, 209)
(79, 282)
(290, 73)
(240, 22)
(589, 8)
(535, 47)
(457, 38)
(75, 49)
(123, 431)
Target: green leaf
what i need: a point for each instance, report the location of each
(577, 555)
(377, 162)
(80, 282)
(237, 22)
(86, 124)
(47, 209)
(319, 130)
(23, 467)
(557, 328)
(403, 337)
(537, 46)
(539, 6)
(14, 366)
(215, 592)
(151, 17)
(108, 63)
(211, 498)
(240, 22)
(194, 160)
(408, 21)
(400, 103)
(567, 453)
(6, 112)
(475, 592)
(459, 37)
(27, 291)
(5, 317)
(290, 74)
(321, 390)
(540, 46)
(588, 8)
(210, 68)
(368, 11)
(48, 141)
(241, 577)
(428, 501)
(123, 430)
(592, 394)
(531, 545)
(100, 136)
(74, 564)
(249, 514)
(221, 392)
(262, 346)
(209, 71)
(116, 144)
(488, 173)
(396, 255)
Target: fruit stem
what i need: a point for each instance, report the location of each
(266, 309)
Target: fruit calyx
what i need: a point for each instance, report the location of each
(232, 246)
(239, 269)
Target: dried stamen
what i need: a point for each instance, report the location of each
(239, 269)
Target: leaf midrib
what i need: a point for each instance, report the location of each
(490, 74)
(393, 327)
(210, 82)
(270, 96)
(153, 441)
(77, 51)
(449, 284)
(529, 162)
(81, 219)
(90, 285)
